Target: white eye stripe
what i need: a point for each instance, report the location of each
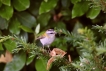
(50, 30)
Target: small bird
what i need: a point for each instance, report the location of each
(47, 38)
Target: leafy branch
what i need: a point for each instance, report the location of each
(90, 51)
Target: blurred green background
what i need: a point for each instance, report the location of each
(27, 17)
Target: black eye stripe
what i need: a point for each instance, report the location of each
(50, 33)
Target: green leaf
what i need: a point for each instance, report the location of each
(65, 3)
(66, 12)
(64, 68)
(40, 64)
(21, 5)
(17, 63)
(24, 35)
(80, 9)
(26, 29)
(46, 0)
(60, 25)
(34, 7)
(44, 18)
(37, 29)
(1, 48)
(100, 50)
(77, 26)
(0, 4)
(29, 60)
(10, 45)
(3, 23)
(6, 2)
(93, 12)
(26, 19)
(75, 1)
(47, 6)
(14, 26)
(6, 12)
(60, 43)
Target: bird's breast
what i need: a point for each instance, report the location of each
(47, 40)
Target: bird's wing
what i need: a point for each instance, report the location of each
(43, 36)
